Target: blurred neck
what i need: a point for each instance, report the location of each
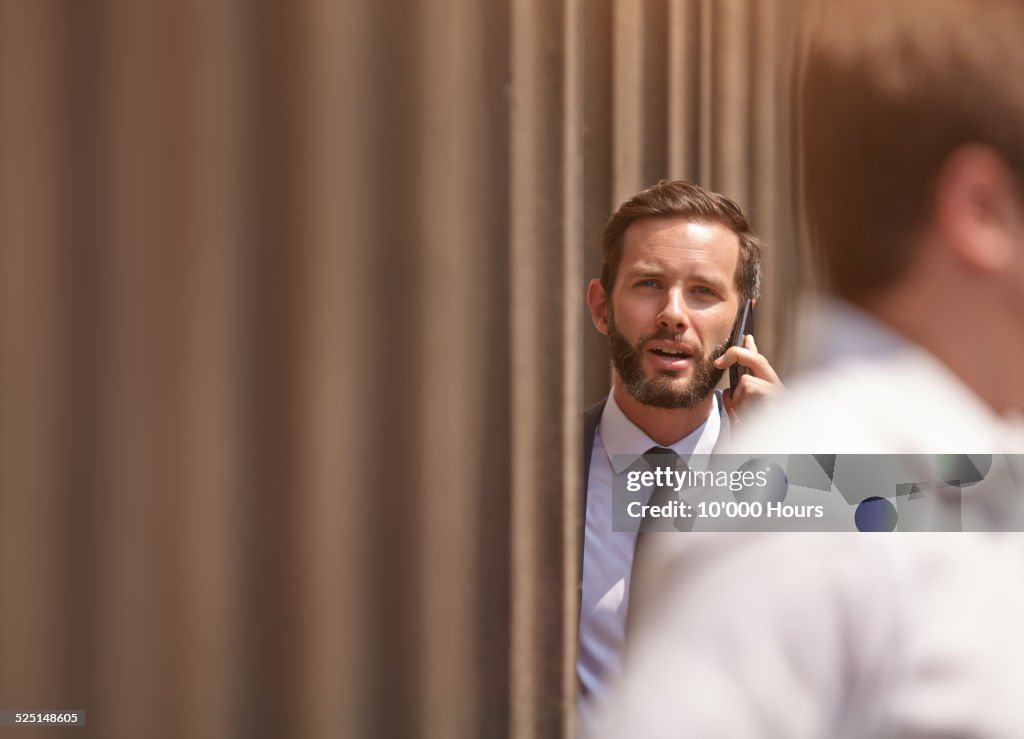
(958, 324)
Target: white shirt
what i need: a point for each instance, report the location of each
(607, 554)
(838, 634)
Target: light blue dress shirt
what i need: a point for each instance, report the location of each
(607, 554)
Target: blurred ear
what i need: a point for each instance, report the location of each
(976, 207)
(598, 302)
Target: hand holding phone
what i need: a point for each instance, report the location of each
(743, 358)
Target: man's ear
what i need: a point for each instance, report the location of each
(976, 208)
(598, 302)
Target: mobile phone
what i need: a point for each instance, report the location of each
(744, 325)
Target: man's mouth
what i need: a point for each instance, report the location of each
(671, 358)
(671, 353)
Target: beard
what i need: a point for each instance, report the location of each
(664, 389)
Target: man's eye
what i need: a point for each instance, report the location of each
(701, 290)
(648, 283)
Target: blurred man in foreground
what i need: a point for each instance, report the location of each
(912, 151)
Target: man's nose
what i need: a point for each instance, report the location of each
(673, 314)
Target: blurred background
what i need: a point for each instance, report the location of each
(294, 346)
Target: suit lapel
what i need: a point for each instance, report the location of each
(591, 418)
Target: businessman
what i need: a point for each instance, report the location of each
(678, 262)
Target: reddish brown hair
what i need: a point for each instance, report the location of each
(887, 90)
(678, 199)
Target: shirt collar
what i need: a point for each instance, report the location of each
(835, 330)
(844, 335)
(624, 442)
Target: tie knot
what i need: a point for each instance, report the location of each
(659, 456)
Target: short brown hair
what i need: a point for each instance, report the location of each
(888, 90)
(678, 199)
